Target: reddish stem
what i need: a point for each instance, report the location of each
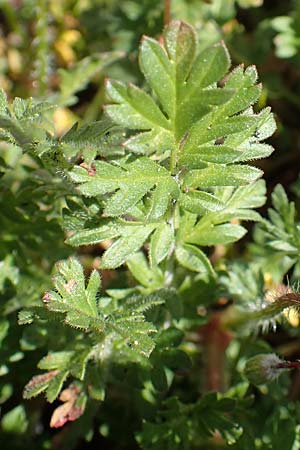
(288, 365)
(215, 342)
(167, 11)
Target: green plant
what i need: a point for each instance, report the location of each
(152, 195)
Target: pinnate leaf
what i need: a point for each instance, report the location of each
(191, 134)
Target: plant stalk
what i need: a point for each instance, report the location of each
(235, 319)
(215, 342)
(167, 12)
(288, 365)
(42, 47)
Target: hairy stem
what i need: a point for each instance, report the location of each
(288, 365)
(42, 47)
(236, 319)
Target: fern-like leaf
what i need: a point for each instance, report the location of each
(193, 134)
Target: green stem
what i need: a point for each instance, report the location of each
(92, 111)
(11, 18)
(170, 264)
(173, 162)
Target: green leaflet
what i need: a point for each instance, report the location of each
(131, 236)
(193, 107)
(56, 360)
(139, 108)
(236, 175)
(223, 154)
(39, 384)
(18, 119)
(108, 230)
(138, 338)
(240, 201)
(229, 203)
(166, 70)
(193, 259)
(200, 202)
(214, 235)
(55, 386)
(149, 277)
(132, 181)
(161, 244)
(3, 103)
(125, 246)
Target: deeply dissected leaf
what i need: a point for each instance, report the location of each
(73, 298)
(194, 131)
(80, 305)
(278, 235)
(121, 323)
(195, 113)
